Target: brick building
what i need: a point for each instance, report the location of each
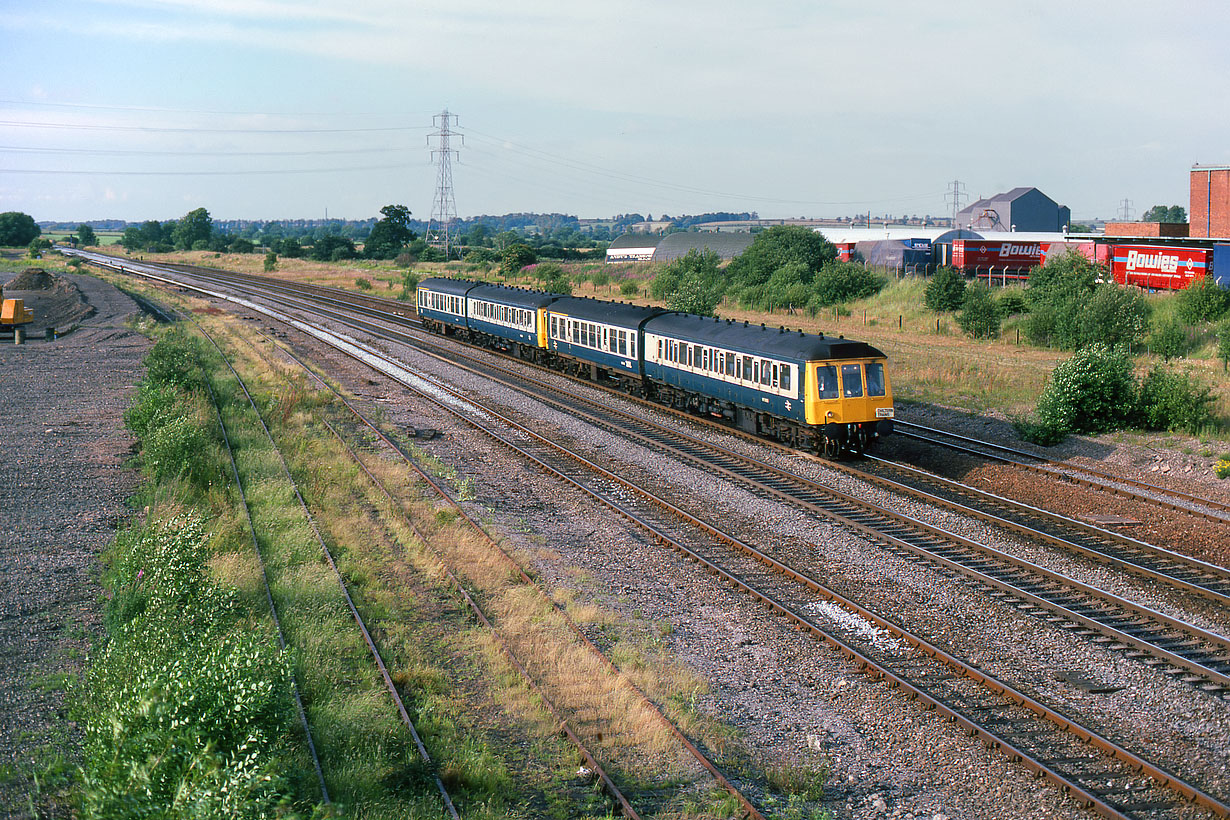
(1209, 214)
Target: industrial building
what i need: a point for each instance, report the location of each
(641, 247)
(1021, 209)
(1209, 214)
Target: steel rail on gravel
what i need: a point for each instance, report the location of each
(358, 619)
(1118, 752)
(1009, 455)
(1040, 764)
(1148, 560)
(1208, 658)
(750, 810)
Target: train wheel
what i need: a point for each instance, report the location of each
(832, 448)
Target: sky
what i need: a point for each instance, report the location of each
(298, 109)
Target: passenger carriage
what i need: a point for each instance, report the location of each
(442, 304)
(601, 338)
(811, 391)
(509, 319)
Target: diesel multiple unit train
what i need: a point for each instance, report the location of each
(831, 395)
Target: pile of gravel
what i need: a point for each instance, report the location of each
(33, 279)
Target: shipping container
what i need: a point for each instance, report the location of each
(1159, 267)
(1221, 265)
(973, 255)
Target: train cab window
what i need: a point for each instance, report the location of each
(875, 379)
(852, 380)
(826, 381)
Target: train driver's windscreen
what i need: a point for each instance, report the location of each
(826, 381)
(852, 380)
(875, 379)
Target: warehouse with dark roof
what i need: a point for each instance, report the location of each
(1021, 209)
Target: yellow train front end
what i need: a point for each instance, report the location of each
(849, 401)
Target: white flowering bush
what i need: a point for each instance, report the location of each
(182, 707)
(1092, 392)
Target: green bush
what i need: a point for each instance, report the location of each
(182, 708)
(600, 279)
(1174, 401)
(1011, 302)
(1169, 340)
(629, 289)
(1223, 343)
(844, 282)
(1091, 392)
(175, 360)
(1203, 301)
(979, 314)
(409, 285)
(692, 283)
(945, 290)
(363, 283)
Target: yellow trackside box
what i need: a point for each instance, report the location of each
(13, 312)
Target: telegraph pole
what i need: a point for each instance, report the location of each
(443, 207)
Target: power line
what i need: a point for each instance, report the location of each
(264, 172)
(956, 194)
(444, 207)
(198, 130)
(144, 153)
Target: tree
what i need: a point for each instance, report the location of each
(945, 291)
(271, 262)
(17, 229)
(1223, 344)
(1203, 301)
(777, 247)
(1093, 391)
(1160, 213)
(979, 314)
(390, 234)
(332, 248)
(193, 228)
(515, 257)
(86, 236)
(690, 284)
(241, 245)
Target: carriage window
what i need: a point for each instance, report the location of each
(826, 381)
(756, 370)
(775, 368)
(852, 380)
(730, 364)
(766, 375)
(747, 368)
(875, 379)
(785, 377)
(659, 348)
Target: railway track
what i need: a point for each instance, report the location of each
(1164, 497)
(1125, 799)
(620, 799)
(1201, 657)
